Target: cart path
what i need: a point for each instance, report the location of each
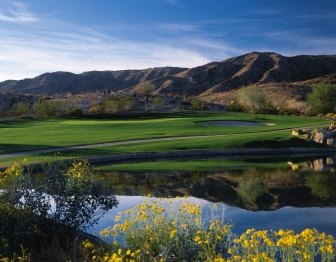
(60, 149)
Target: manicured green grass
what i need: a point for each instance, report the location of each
(276, 139)
(33, 134)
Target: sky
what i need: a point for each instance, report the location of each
(38, 36)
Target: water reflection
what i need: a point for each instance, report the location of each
(320, 164)
(297, 195)
(300, 184)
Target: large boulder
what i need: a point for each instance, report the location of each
(321, 136)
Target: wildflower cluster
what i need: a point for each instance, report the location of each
(173, 230)
(120, 255)
(10, 174)
(282, 245)
(164, 230)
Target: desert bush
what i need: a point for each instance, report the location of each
(268, 108)
(49, 108)
(74, 112)
(96, 110)
(158, 101)
(330, 116)
(112, 105)
(19, 109)
(117, 104)
(322, 99)
(252, 98)
(235, 107)
(289, 111)
(127, 102)
(198, 105)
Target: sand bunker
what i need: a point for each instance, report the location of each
(235, 123)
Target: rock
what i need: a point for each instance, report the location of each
(319, 165)
(332, 127)
(306, 137)
(330, 161)
(297, 132)
(321, 136)
(331, 142)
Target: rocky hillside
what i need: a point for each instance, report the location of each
(63, 82)
(282, 78)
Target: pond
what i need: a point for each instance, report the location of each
(289, 193)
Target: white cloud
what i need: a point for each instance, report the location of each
(22, 55)
(16, 13)
(175, 3)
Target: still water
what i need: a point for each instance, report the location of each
(300, 194)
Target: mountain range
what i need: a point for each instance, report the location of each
(210, 80)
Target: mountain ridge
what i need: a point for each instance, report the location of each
(261, 68)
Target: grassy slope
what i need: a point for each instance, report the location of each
(22, 135)
(48, 133)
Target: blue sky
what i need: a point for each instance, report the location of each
(40, 36)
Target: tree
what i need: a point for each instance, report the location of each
(252, 98)
(322, 98)
(19, 109)
(48, 108)
(158, 101)
(127, 102)
(145, 89)
(198, 104)
(112, 105)
(116, 104)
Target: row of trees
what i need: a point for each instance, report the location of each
(44, 109)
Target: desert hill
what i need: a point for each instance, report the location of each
(284, 79)
(63, 82)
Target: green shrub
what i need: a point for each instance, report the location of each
(96, 110)
(48, 108)
(19, 109)
(322, 98)
(198, 105)
(74, 112)
(116, 104)
(235, 107)
(268, 108)
(330, 116)
(289, 111)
